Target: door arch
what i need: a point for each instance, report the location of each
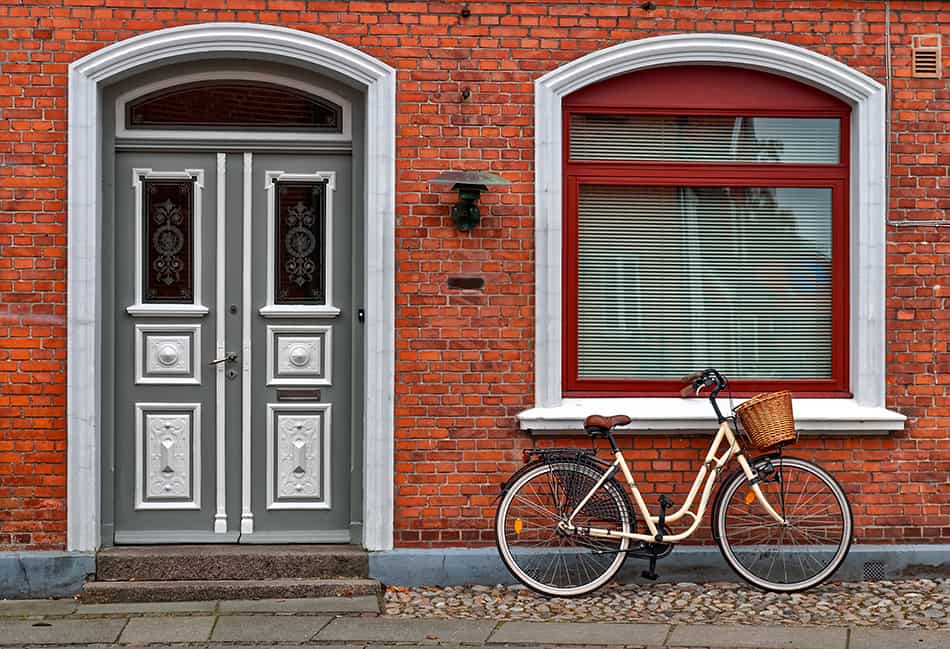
(87, 77)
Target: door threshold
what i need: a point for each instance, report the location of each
(173, 536)
(302, 536)
(276, 537)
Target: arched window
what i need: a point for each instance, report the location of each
(233, 104)
(705, 224)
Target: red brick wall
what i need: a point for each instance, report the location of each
(465, 358)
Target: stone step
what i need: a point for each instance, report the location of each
(111, 592)
(230, 562)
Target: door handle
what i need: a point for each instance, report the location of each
(229, 358)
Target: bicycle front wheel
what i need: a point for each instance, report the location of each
(787, 557)
(531, 535)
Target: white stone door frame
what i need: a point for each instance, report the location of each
(87, 77)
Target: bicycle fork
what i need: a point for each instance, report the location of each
(754, 481)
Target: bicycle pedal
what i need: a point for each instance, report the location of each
(652, 576)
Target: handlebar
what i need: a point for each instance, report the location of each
(687, 390)
(697, 381)
(689, 378)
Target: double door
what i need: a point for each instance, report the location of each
(233, 347)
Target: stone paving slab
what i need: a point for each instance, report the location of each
(361, 604)
(60, 631)
(350, 629)
(147, 608)
(36, 607)
(758, 637)
(256, 628)
(581, 633)
(149, 630)
(887, 639)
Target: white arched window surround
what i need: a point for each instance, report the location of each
(865, 411)
(87, 77)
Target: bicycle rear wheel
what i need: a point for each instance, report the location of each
(776, 557)
(539, 552)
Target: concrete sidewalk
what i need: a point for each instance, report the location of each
(355, 623)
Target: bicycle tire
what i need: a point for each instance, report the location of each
(776, 557)
(554, 563)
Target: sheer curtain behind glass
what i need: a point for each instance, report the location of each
(680, 277)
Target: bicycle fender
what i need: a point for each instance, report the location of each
(546, 456)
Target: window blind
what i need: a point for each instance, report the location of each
(704, 138)
(675, 278)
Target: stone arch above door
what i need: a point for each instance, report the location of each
(87, 77)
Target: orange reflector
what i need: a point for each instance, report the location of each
(749, 497)
(519, 525)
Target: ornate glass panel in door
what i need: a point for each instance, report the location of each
(300, 242)
(168, 242)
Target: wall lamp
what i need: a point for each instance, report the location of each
(469, 184)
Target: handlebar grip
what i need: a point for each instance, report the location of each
(692, 377)
(687, 391)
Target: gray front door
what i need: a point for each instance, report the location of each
(233, 347)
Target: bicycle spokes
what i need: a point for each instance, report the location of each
(797, 554)
(542, 548)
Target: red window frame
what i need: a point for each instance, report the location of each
(706, 90)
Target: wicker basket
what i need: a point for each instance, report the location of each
(767, 419)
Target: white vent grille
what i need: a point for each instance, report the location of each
(926, 56)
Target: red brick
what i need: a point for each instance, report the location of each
(465, 359)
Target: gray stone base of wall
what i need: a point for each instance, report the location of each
(60, 574)
(26, 575)
(457, 566)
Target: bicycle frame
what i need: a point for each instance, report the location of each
(710, 469)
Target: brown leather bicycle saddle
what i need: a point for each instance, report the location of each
(599, 421)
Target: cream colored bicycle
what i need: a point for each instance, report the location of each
(565, 525)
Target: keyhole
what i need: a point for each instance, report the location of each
(233, 308)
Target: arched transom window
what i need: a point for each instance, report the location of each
(234, 104)
(227, 104)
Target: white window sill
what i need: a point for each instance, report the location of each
(815, 416)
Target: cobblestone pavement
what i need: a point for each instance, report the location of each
(914, 604)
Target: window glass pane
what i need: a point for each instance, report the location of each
(673, 278)
(232, 105)
(168, 207)
(705, 138)
(299, 272)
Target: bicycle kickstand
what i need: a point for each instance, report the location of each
(650, 573)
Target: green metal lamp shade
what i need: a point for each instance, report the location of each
(469, 184)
